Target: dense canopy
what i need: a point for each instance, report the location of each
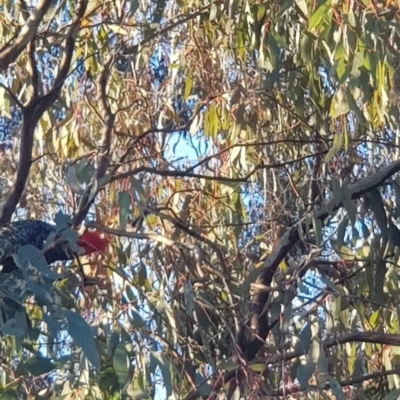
(242, 159)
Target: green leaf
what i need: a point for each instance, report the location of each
(81, 332)
(354, 106)
(211, 122)
(141, 276)
(136, 390)
(124, 203)
(339, 104)
(9, 394)
(396, 188)
(279, 40)
(341, 231)
(188, 297)
(6, 248)
(343, 252)
(303, 344)
(336, 388)
(5, 103)
(228, 365)
(71, 236)
(203, 386)
(343, 70)
(159, 359)
(258, 367)
(330, 285)
(233, 6)
(11, 328)
(351, 209)
(319, 16)
(62, 221)
(72, 180)
(302, 5)
(188, 86)
(274, 52)
(29, 259)
(379, 281)
(376, 205)
(304, 373)
(393, 395)
(374, 318)
(317, 226)
(36, 366)
(121, 365)
(336, 147)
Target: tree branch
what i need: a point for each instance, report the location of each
(34, 110)
(363, 337)
(12, 49)
(266, 273)
(327, 386)
(187, 174)
(259, 320)
(108, 118)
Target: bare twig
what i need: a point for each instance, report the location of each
(186, 174)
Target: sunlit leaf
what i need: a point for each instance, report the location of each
(117, 29)
(339, 105)
(319, 15)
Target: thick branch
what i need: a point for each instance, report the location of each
(364, 337)
(34, 111)
(108, 118)
(350, 382)
(287, 241)
(12, 49)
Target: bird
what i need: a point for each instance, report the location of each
(35, 233)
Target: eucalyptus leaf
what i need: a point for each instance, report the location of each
(82, 334)
(121, 364)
